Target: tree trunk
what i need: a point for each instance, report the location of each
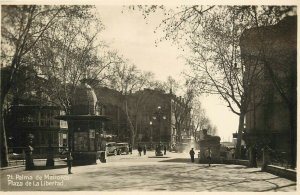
(132, 130)
(178, 129)
(239, 136)
(71, 136)
(132, 140)
(293, 135)
(293, 112)
(4, 148)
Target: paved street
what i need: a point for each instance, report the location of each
(134, 173)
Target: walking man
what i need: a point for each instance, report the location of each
(165, 150)
(69, 161)
(145, 149)
(140, 150)
(130, 149)
(29, 165)
(208, 156)
(192, 154)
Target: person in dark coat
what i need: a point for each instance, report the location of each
(145, 149)
(130, 149)
(70, 162)
(192, 154)
(165, 150)
(29, 165)
(140, 150)
(28, 157)
(253, 161)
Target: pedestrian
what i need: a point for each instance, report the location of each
(140, 150)
(192, 154)
(243, 152)
(145, 149)
(208, 156)
(253, 159)
(29, 165)
(165, 150)
(156, 149)
(130, 149)
(70, 162)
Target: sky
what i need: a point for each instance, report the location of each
(134, 38)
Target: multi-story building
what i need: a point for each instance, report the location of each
(37, 120)
(142, 109)
(117, 128)
(273, 111)
(154, 115)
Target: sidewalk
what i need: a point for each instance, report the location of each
(171, 174)
(39, 164)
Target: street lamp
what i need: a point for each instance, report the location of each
(151, 129)
(159, 116)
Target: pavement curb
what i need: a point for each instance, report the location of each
(159, 157)
(11, 167)
(36, 160)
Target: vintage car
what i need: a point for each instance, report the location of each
(111, 148)
(122, 148)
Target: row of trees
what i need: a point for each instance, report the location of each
(51, 46)
(46, 51)
(212, 35)
(190, 111)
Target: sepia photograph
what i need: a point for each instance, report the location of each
(148, 96)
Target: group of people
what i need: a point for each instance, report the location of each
(159, 147)
(144, 149)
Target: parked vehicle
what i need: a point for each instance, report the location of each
(123, 148)
(180, 147)
(111, 148)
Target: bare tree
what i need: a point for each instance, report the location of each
(169, 85)
(22, 27)
(127, 79)
(182, 112)
(212, 34)
(199, 117)
(216, 64)
(71, 54)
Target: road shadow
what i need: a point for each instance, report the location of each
(37, 168)
(158, 157)
(178, 160)
(258, 171)
(156, 178)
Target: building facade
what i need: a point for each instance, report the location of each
(117, 128)
(40, 121)
(37, 120)
(142, 110)
(272, 118)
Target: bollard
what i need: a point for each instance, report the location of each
(266, 158)
(102, 157)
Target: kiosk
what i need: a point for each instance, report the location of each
(85, 126)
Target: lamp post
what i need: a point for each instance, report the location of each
(159, 116)
(151, 138)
